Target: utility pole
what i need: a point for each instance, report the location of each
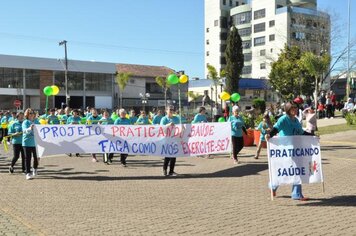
(348, 54)
(64, 42)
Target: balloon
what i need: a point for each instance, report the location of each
(55, 90)
(83, 120)
(114, 116)
(48, 90)
(127, 116)
(183, 79)
(221, 119)
(224, 96)
(235, 97)
(172, 79)
(43, 121)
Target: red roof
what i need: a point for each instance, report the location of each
(144, 70)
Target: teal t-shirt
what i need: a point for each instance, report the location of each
(28, 139)
(288, 127)
(262, 126)
(74, 120)
(93, 120)
(106, 121)
(199, 118)
(157, 119)
(133, 119)
(63, 118)
(166, 120)
(236, 125)
(122, 121)
(142, 121)
(52, 120)
(16, 127)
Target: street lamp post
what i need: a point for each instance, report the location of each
(144, 100)
(64, 42)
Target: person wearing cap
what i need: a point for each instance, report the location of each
(237, 127)
(169, 120)
(288, 125)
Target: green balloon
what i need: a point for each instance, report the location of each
(48, 90)
(235, 97)
(172, 79)
(83, 120)
(221, 119)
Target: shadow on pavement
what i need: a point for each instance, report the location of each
(236, 171)
(339, 201)
(335, 148)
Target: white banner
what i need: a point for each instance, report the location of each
(294, 160)
(154, 140)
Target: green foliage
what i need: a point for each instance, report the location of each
(213, 75)
(122, 79)
(234, 61)
(350, 118)
(249, 122)
(259, 104)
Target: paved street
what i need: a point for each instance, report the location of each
(73, 196)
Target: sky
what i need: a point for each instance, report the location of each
(148, 32)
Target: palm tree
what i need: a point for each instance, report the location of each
(193, 96)
(122, 79)
(213, 75)
(162, 82)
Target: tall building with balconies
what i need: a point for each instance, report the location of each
(265, 26)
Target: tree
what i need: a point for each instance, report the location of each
(287, 77)
(316, 66)
(193, 96)
(162, 82)
(213, 75)
(234, 61)
(122, 79)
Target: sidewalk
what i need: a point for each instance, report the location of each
(73, 196)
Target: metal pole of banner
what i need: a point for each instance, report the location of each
(269, 171)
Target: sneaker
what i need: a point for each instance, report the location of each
(69, 154)
(165, 173)
(274, 193)
(123, 165)
(256, 157)
(28, 176)
(236, 162)
(34, 172)
(11, 169)
(77, 155)
(173, 173)
(94, 160)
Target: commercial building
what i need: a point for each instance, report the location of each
(89, 84)
(265, 26)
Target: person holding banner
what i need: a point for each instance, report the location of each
(237, 127)
(93, 119)
(143, 119)
(157, 117)
(169, 120)
(201, 116)
(106, 120)
(264, 127)
(288, 125)
(122, 120)
(28, 143)
(15, 131)
(52, 119)
(133, 117)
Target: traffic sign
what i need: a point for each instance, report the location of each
(17, 103)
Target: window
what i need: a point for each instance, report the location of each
(298, 35)
(245, 31)
(75, 80)
(246, 70)
(263, 52)
(246, 44)
(236, 4)
(271, 23)
(223, 22)
(207, 41)
(271, 50)
(259, 27)
(216, 22)
(230, 3)
(263, 66)
(98, 82)
(32, 79)
(207, 30)
(222, 47)
(247, 57)
(242, 18)
(259, 41)
(224, 2)
(222, 60)
(259, 14)
(271, 37)
(207, 53)
(12, 78)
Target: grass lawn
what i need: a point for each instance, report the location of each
(335, 129)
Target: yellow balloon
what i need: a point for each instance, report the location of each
(43, 121)
(127, 116)
(183, 79)
(224, 96)
(55, 89)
